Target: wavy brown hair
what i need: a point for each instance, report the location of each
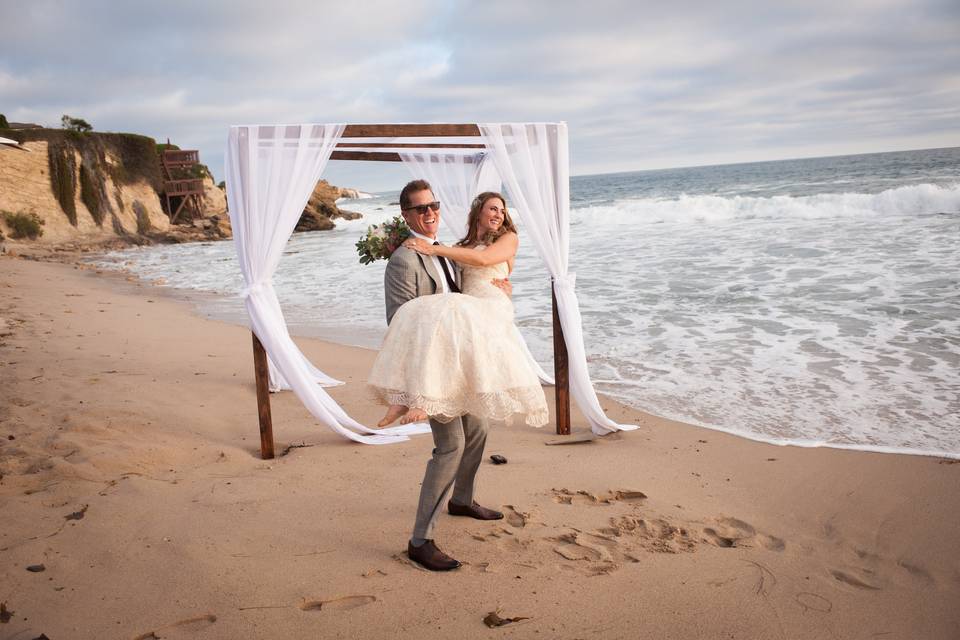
(473, 221)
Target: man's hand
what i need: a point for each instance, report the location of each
(504, 285)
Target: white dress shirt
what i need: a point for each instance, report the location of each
(436, 263)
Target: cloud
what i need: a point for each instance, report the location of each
(641, 86)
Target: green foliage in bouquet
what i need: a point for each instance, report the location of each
(382, 240)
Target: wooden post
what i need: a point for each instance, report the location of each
(561, 371)
(262, 374)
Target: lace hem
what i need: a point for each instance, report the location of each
(501, 406)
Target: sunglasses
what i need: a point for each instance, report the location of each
(421, 209)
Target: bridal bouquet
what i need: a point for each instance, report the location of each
(382, 240)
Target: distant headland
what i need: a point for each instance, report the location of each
(75, 189)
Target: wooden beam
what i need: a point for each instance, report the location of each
(561, 371)
(262, 374)
(176, 214)
(408, 145)
(374, 156)
(409, 130)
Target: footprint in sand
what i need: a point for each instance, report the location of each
(852, 580)
(771, 543)
(190, 625)
(916, 571)
(481, 567)
(339, 604)
(514, 517)
(593, 568)
(572, 547)
(491, 535)
(652, 534)
(591, 558)
(731, 532)
(515, 544)
(565, 496)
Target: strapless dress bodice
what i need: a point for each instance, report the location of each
(476, 280)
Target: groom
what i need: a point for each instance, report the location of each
(458, 445)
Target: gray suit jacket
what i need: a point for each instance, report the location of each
(410, 275)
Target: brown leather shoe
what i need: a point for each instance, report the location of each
(429, 557)
(474, 511)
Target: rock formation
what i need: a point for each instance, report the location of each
(322, 209)
(95, 190)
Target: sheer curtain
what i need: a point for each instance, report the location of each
(279, 383)
(270, 173)
(456, 179)
(533, 161)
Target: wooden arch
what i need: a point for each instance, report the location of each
(379, 152)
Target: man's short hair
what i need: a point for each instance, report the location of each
(412, 187)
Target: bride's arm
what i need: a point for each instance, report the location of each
(502, 249)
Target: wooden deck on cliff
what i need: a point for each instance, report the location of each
(189, 191)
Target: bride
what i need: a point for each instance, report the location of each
(450, 354)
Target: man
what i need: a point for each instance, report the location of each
(458, 445)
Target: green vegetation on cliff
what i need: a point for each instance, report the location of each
(75, 124)
(23, 225)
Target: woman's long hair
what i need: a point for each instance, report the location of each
(473, 221)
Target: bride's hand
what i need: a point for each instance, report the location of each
(420, 246)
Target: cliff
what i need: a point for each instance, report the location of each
(82, 188)
(67, 190)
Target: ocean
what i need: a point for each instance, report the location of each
(813, 302)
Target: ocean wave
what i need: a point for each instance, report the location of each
(912, 200)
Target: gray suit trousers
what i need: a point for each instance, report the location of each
(457, 453)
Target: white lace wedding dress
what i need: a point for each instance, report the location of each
(452, 354)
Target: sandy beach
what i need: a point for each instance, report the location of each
(130, 470)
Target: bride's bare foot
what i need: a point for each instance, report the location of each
(414, 415)
(393, 412)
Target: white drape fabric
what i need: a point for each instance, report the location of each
(456, 179)
(279, 383)
(271, 172)
(533, 161)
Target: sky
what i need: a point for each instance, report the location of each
(642, 85)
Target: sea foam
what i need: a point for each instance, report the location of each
(907, 200)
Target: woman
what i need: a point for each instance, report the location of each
(448, 355)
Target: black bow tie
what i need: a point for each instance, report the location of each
(446, 273)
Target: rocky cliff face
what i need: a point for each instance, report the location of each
(99, 189)
(81, 194)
